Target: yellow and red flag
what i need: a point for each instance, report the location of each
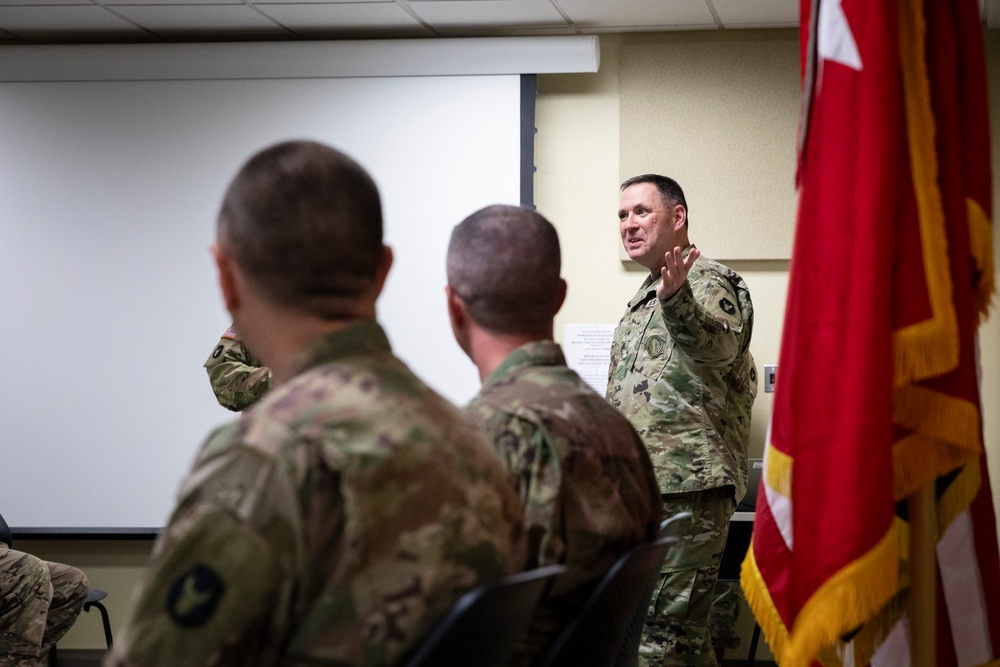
(878, 392)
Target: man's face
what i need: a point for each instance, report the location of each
(648, 225)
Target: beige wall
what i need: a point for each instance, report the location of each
(577, 154)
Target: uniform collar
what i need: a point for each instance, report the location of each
(535, 353)
(364, 337)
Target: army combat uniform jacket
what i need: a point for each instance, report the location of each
(581, 471)
(238, 377)
(333, 524)
(682, 372)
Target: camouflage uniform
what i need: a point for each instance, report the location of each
(39, 601)
(585, 479)
(332, 524)
(682, 372)
(238, 378)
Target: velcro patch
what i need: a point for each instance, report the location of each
(194, 596)
(230, 332)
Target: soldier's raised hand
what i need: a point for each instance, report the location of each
(675, 271)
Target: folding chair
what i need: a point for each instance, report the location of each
(484, 626)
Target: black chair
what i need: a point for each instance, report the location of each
(94, 596)
(484, 626)
(607, 629)
(737, 544)
(671, 526)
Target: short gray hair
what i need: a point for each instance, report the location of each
(504, 262)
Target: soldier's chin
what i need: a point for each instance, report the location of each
(635, 254)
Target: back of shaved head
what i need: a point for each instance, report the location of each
(504, 262)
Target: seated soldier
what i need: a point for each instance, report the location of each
(39, 602)
(340, 518)
(581, 471)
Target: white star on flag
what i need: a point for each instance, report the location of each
(835, 39)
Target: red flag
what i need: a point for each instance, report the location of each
(878, 393)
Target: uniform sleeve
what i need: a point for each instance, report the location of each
(237, 377)
(707, 319)
(216, 569)
(533, 464)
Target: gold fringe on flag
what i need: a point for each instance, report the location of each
(759, 600)
(959, 495)
(859, 592)
(930, 347)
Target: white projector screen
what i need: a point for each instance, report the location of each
(107, 291)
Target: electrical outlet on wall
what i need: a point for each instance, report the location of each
(770, 373)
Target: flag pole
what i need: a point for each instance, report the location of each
(923, 576)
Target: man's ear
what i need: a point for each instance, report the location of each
(382, 271)
(458, 315)
(680, 217)
(560, 297)
(228, 281)
(456, 309)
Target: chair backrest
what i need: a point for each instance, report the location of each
(484, 626)
(671, 526)
(615, 609)
(5, 535)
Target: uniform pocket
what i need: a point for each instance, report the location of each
(655, 347)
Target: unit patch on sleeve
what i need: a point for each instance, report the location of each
(194, 596)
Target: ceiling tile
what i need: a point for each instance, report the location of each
(69, 22)
(191, 3)
(758, 13)
(648, 14)
(332, 20)
(488, 13)
(225, 21)
(44, 3)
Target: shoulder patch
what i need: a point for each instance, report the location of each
(230, 332)
(727, 306)
(194, 596)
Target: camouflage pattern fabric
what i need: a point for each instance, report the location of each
(580, 469)
(682, 372)
(238, 378)
(676, 631)
(333, 524)
(39, 602)
(725, 612)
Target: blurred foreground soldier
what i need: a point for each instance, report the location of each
(581, 470)
(238, 378)
(39, 602)
(681, 371)
(346, 511)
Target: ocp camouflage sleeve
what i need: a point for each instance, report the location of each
(238, 378)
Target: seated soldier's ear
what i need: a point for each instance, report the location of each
(382, 272)
(227, 278)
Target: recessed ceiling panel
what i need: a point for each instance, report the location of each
(634, 13)
(198, 20)
(75, 21)
(488, 13)
(316, 20)
(762, 13)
